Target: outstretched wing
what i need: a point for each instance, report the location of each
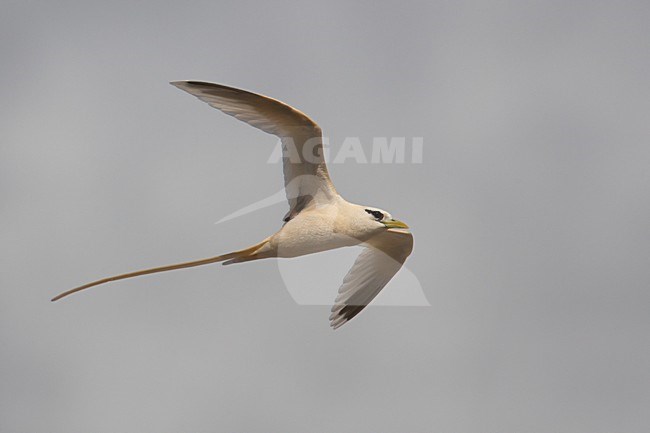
(305, 174)
(376, 265)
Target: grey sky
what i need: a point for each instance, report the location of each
(530, 214)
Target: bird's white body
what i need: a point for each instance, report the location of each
(319, 219)
(319, 229)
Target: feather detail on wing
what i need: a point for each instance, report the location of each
(306, 177)
(374, 267)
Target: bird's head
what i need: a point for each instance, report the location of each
(380, 219)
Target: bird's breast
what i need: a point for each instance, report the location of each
(308, 234)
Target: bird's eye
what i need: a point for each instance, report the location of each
(378, 215)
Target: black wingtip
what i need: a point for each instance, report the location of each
(195, 83)
(181, 83)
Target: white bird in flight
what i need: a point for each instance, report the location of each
(319, 219)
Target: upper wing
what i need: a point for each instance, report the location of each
(376, 265)
(305, 174)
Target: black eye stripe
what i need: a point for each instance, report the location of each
(376, 214)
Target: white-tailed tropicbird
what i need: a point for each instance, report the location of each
(319, 219)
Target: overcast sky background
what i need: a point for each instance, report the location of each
(530, 213)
